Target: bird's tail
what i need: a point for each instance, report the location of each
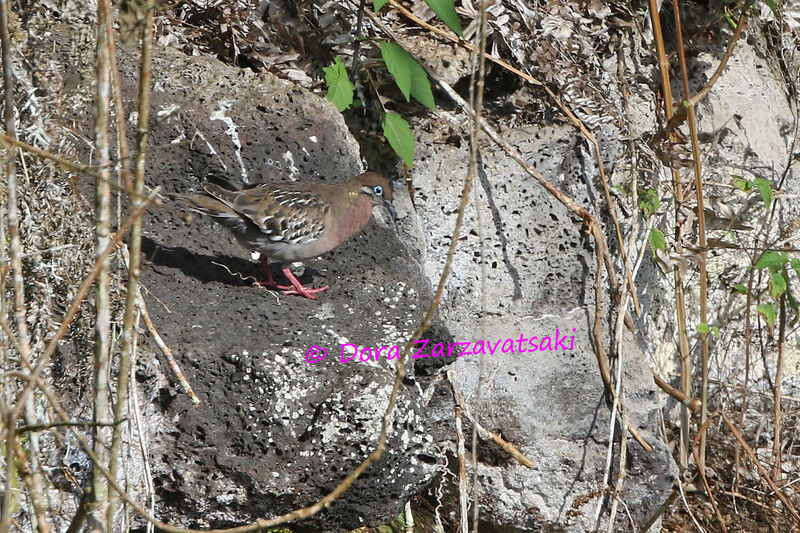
(220, 211)
(205, 204)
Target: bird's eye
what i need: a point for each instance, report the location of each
(378, 190)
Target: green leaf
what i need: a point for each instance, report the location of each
(765, 189)
(743, 184)
(777, 284)
(378, 4)
(399, 135)
(649, 203)
(768, 312)
(741, 289)
(771, 259)
(773, 5)
(409, 75)
(795, 307)
(703, 328)
(421, 86)
(398, 61)
(340, 89)
(730, 19)
(446, 10)
(715, 329)
(657, 240)
(796, 266)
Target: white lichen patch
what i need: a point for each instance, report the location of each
(293, 170)
(221, 115)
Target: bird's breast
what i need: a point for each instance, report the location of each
(351, 220)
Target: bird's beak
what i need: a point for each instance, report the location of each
(390, 208)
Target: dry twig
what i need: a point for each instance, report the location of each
(134, 256)
(485, 434)
(96, 516)
(176, 369)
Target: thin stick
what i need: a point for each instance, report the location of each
(33, 481)
(485, 434)
(135, 252)
(693, 404)
(409, 518)
(680, 306)
(476, 97)
(96, 516)
(137, 417)
(617, 339)
(623, 457)
(463, 493)
(71, 166)
(166, 351)
(701, 220)
(52, 425)
(359, 22)
(11, 183)
(777, 414)
(694, 100)
(39, 515)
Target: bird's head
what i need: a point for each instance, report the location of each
(377, 188)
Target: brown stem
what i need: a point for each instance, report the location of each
(135, 241)
(476, 96)
(701, 220)
(96, 519)
(680, 306)
(33, 480)
(702, 470)
(778, 415)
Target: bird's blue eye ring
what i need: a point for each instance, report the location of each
(378, 190)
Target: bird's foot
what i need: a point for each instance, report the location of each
(298, 288)
(306, 291)
(295, 288)
(287, 290)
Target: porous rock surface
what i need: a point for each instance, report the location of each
(540, 273)
(273, 432)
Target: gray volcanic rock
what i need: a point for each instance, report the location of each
(273, 432)
(550, 402)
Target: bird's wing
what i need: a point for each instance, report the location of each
(283, 213)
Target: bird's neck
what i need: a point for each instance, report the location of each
(356, 214)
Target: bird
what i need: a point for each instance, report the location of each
(294, 221)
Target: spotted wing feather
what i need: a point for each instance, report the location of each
(283, 214)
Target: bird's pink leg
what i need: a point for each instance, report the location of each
(295, 288)
(270, 282)
(298, 287)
